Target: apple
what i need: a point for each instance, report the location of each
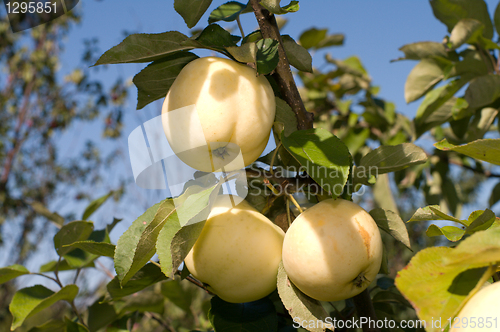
(481, 312)
(218, 114)
(238, 252)
(333, 250)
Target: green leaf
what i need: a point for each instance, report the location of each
(31, 300)
(425, 75)
(50, 326)
(467, 30)
(478, 250)
(480, 220)
(325, 157)
(481, 123)
(391, 158)
(437, 280)
(450, 12)
(297, 55)
(257, 316)
(246, 53)
(163, 243)
(145, 301)
(12, 271)
(148, 275)
(482, 91)
(470, 66)
(433, 212)
(183, 241)
(96, 248)
(177, 294)
(137, 245)
(285, 119)
(227, 12)
(310, 38)
(74, 326)
(336, 39)
(438, 106)
(144, 47)
(495, 195)
(95, 204)
(55, 217)
(382, 194)
(299, 305)
(252, 37)
(154, 81)
(496, 18)
(213, 37)
(63, 266)
(393, 224)
(267, 55)
(452, 233)
(191, 10)
(482, 149)
(423, 50)
(196, 202)
(72, 232)
(100, 315)
(78, 258)
(425, 281)
(274, 6)
(351, 65)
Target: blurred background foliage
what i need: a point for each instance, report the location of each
(37, 107)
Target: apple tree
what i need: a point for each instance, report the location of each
(336, 141)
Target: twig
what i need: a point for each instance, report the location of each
(105, 270)
(274, 158)
(199, 284)
(160, 321)
(486, 173)
(240, 27)
(283, 74)
(364, 308)
(290, 184)
(76, 275)
(78, 315)
(291, 198)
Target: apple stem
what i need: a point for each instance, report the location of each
(364, 307)
(283, 74)
(274, 158)
(291, 198)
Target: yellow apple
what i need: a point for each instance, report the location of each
(218, 114)
(481, 312)
(333, 250)
(238, 252)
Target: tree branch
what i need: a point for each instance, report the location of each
(364, 308)
(283, 74)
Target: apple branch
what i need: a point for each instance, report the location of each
(283, 74)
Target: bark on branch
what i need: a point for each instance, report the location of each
(283, 74)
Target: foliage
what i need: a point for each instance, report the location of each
(358, 136)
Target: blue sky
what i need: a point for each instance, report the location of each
(374, 31)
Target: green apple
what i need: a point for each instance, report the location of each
(333, 250)
(218, 114)
(481, 312)
(238, 252)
